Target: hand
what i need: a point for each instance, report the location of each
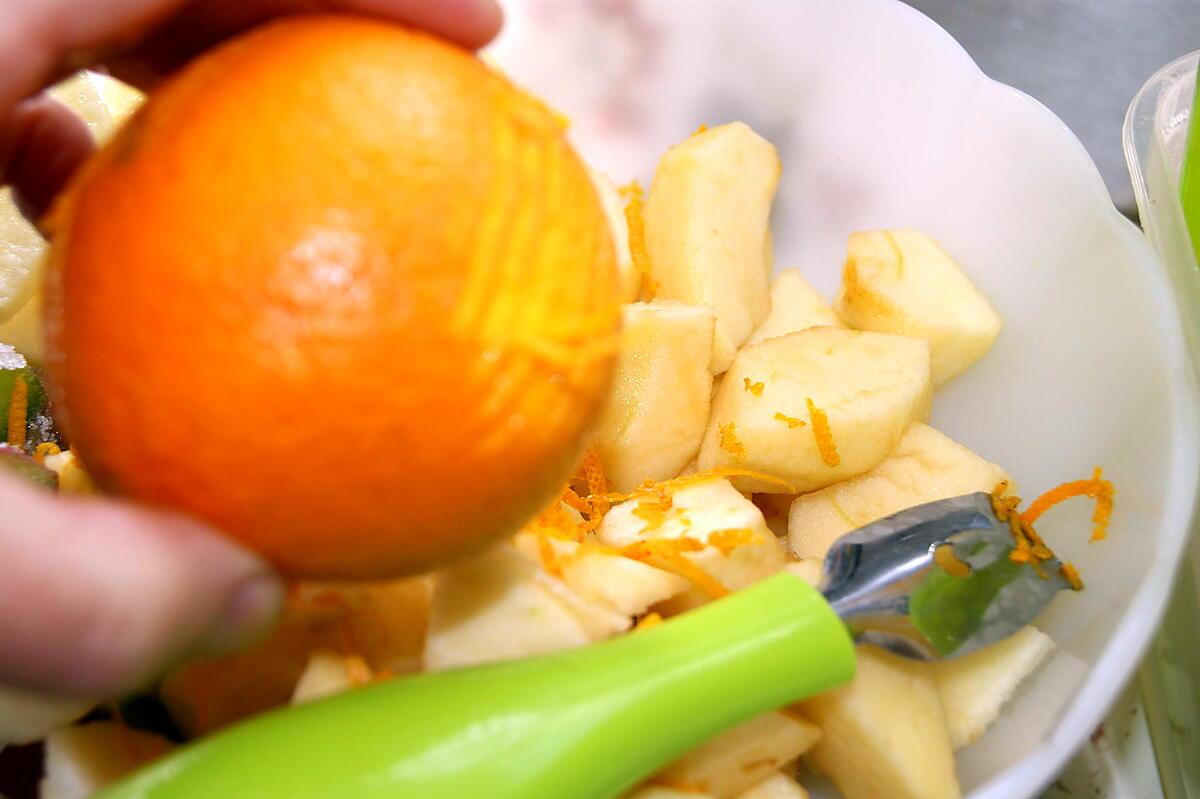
(140, 41)
(96, 597)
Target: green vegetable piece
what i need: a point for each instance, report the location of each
(13, 366)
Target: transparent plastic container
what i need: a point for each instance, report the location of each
(1156, 129)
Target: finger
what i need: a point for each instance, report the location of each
(41, 40)
(96, 598)
(43, 146)
(470, 23)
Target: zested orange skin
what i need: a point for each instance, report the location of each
(340, 290)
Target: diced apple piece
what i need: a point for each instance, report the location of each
(23, 332)
(883, 734)
(626, 586)
(795, 306)
(901, 281)
(499, 606)
(816, 407)
(383, 622)
(657, 409)
(72, 477)
(975, 687)
(707, 232)
(775, 509)
(925, 466)
(101, 101)
(629, 280)
(777, 786)
(21, 253)
(700, 511)
(329, 673)
(82, 760)
(743, 756)
(810, 571)
(28, 715)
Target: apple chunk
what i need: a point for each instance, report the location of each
(742, 756)
(777, 786)
(705, 511)
(707, 232)
(384, 622)
(499, 606)
(622, 584)
(26, 715)
(883, 734)
(82, 760)
(629, 280)
(657, 409)
(902, 281)
(926, 465)
(795, 306)
(816, 407)
(975, 687)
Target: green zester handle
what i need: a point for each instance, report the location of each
(583, 724)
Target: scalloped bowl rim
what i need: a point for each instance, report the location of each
(1123, 650)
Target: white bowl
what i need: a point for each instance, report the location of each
(881, 119)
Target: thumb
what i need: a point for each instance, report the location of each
(97, 597)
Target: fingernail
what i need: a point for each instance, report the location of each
(250, 611)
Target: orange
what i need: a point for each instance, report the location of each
(340, 290)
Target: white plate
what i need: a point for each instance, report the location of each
(881, 119)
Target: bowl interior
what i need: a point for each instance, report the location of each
(881, 120)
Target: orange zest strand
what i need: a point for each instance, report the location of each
(728, 540)
(1029, 548)
(357, 670)
(573, 500)
(653, 508)
(651, 619)
(678, 786)
(734, 471)
(700, 129)
(18, 409)
(634, 219)
(674, 484)
(555, 522)
(668, 554)
(597, 488)
(823, 435)
(45, 450)
(790, 421)
(754, 387)
(549, 557)
(593, 472)
(590, 547)
(1071, 575)
(948, 562)
(729, 441)
(1095, 487)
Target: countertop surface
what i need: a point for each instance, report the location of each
(1084, 59)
